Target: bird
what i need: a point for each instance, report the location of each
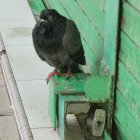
(57, 41)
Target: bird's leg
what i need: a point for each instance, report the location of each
(51, 74)
(69, 74)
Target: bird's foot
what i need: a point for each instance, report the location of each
(69, 75)
(51, 74)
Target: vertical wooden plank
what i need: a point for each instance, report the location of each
(107, 136)
(111, 32)
(108, 64)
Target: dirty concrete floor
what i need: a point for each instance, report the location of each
(8, 127)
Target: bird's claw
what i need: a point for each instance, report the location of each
(51, 75)
(69, 75)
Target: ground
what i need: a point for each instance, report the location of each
(8, 126)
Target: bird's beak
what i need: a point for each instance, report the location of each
(43, 20)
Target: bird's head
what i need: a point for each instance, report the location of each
(50, 15)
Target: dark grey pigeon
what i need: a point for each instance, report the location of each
(57, 41)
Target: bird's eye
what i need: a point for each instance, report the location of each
(50, 18)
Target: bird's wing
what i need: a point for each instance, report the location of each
(72, 43)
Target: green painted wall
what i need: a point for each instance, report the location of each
(36, 6)
(127, 111)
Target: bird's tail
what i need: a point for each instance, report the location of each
(75, 69)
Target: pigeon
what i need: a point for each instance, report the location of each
(57, 41)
